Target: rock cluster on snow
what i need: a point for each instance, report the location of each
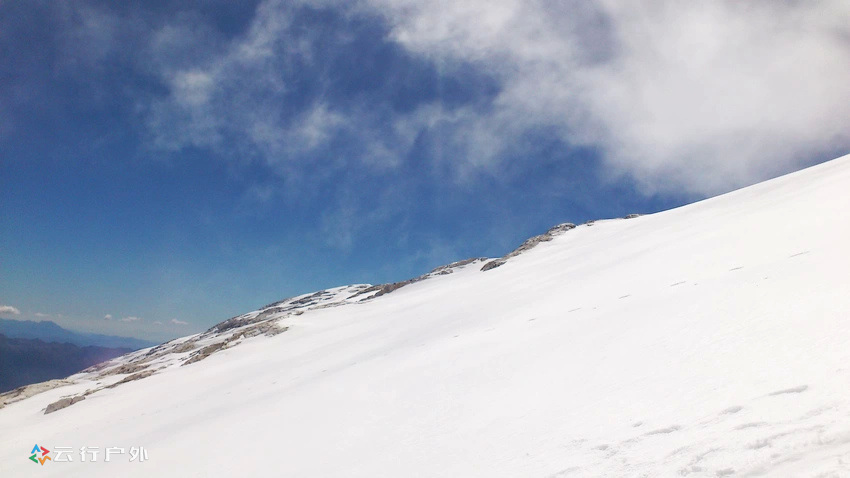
(529, 244)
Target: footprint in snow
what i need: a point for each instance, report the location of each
(750, 425)
(664, 431)
(799, 389)
(607, 450)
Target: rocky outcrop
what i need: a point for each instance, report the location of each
(205, 352)
(493, 264)
(383, 289)
(132, 378)
(125, 369)
(450, 268)
(63, 403)
(27, 391)
(530, 244)
(267, 328)
(68, 401)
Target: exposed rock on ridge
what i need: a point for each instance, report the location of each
(530, 244)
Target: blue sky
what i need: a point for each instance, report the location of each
(167, 165)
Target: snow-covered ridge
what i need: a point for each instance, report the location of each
(270, 320)
(708, 340)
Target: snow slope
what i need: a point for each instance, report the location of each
(708, 340)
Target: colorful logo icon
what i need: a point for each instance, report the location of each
(39, 459)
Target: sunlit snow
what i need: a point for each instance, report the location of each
(708, 340)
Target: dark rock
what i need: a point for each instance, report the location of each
(63, 403)
(131, 378)
(492, 265)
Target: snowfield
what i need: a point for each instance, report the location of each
(709, 340)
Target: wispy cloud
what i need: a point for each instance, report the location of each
(178, 322)
(8, 309)
(131, 318)
(41, 315)
(157, 322)
(107, 317)
(234, 92)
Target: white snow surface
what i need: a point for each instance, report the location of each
(707, 340)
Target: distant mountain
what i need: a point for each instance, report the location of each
(48, 331)
(25, 361)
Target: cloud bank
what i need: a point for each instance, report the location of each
(695, 96)
(678, 97)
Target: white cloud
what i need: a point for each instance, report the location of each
(41, 315)
(157, 322)
(107, 317)
(178, 322)
(8, 309)
(695, 96)
(131, 319)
